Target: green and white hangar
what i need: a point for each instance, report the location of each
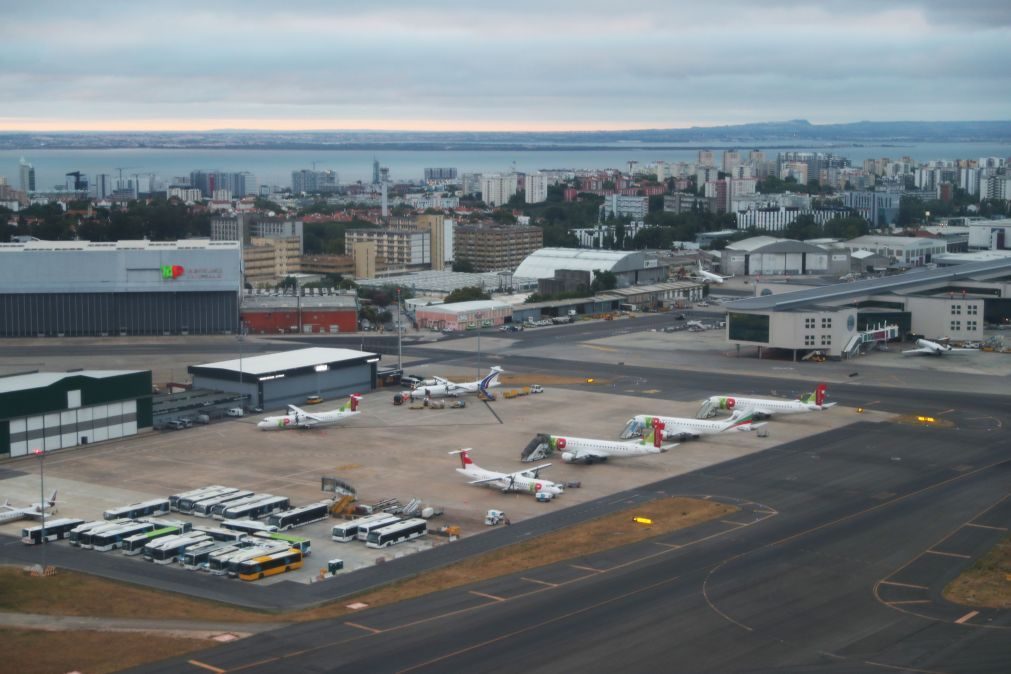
(950, 302)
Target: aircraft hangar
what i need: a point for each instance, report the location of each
(954, 302)
(274, 380)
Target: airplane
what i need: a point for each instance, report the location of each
(443, 388)
(689, 429)
(299, 418)
(9, 513)
(763, 408)
(702, 275)
(696, 326)
(520, 481)
(930, 348)
(588, 451)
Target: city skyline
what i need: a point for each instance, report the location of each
(452, 67)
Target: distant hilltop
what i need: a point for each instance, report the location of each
(784, 133)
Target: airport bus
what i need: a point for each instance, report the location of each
(303, 545)
(256, 509)
(218, 508)
(134, 510)
(346, 532)
(217, 561)
(269, 565)
(365, 528)
(184, 526)
(74, 536)
(397, 533)
(230, 564)
(297, 517)
(224, 535)
(56, 530)
(247, 526)
(166, 550)
(192, 494)
(85, 537)
(187, 503)
(203, 508)
(110, 540)
(134, 545)
(198, 557)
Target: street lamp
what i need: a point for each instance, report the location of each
(41, 453)
(478, 315)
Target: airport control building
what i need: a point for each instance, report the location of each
(74, 288)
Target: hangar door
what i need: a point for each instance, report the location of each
(69, 428)
(768, 263)
(331, 385)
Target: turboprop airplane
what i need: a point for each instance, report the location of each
(689, 429)
(588, 451)
(520, 481)
(702, 275)
(9, 513)
(443, 388)
(299, 418)
(763, 408)
(930, 348)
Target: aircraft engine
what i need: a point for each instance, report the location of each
(568, 457)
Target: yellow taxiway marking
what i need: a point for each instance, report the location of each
(204, 665)
(948, 554)
(598, 348)
(915, 587)
(539, 582)
(985, 526)
(968, 616)
(486, 595)
(373, 630)
(585, 568)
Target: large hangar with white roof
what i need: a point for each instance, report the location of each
(275, 380)
(630, 267)
(73, 288)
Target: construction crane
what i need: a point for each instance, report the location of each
(80, 182)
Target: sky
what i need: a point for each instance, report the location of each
(521, 66)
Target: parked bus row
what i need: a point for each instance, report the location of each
(380, 530)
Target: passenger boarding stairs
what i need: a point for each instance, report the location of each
(877, 336)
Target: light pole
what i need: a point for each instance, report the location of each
(41, 453)
(400, 336)
(478, 315)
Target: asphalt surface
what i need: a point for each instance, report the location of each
(808, 576)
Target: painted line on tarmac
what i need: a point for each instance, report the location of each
(985, 526)
(485, 595)
(586, 568)
(908, 601)
(948, 554)
(539, 582)
(968, 616)
(373, 630)
(910, 585)
(204, 665)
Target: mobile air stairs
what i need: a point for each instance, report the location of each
(875, 338)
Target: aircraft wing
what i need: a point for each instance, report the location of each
(491, 479)
(929, 352)
(31, 514)
(308, 415)
(529, 472)
(440, 380)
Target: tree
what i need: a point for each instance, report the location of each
(804, 227)
(603, 280)
(911, 211)
(287, 282)
(462, 265)
(467, 295)
(619, 235)
(267, 205)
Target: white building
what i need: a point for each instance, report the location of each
(537, 188)
(990, 235)
(907, 251)
(620, 205)
(497, 189)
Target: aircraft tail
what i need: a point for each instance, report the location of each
(654, 433)
(352, 404)
(465, 459)
(819, 394)
(51, 501)
(490, 380)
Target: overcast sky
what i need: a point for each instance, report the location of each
(545, 65)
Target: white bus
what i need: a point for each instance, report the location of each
(134, 510)
(166, 550)
(224, 535)
(297, 517)
(198, 557)
(187, 503)
(397, 533)
(218, 508)
(56, 530)
(110, 540)
(220, 565)
(203, 508)
(247, 526)
(303, 545)
(348, 531)
(74, 535)
(85, 537)
(191, 494)
(365, 528)
(256, 509)
(134, 545)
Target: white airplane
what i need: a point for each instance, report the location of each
(299, 418)
(443, 388)
(763, 408)
(520, 481)
(929, 348)
(588, 451)
(9, 513)
(702, 275)
(688, 429)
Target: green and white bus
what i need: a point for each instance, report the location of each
(110, 540)
(303, 545)
(134, 545)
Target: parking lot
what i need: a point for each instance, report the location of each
(390, 452)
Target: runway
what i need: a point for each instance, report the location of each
(794, 582)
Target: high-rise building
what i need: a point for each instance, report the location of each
(707, 158)
(731, 160)
(400, 248)
(311, 181)
(495, 247)
(27, 176)
(240, 183)
(622, 205)
(103, 185)
(435, 225)
(436, 175)
(497, 189)
(375, 171)
(537, 188)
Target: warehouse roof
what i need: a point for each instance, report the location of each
(106, 246)
(286, 360)
(545, 262)
(467, 307)
(910, 281)
(27, 382)
(770, 244)
(447, 281)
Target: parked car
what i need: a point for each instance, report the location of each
(313, 400)
(409, 381)
(235, 412)
(174, 425)
(536, 388)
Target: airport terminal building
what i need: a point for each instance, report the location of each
(77, 288)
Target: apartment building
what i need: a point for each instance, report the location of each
(492, 247)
